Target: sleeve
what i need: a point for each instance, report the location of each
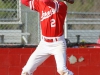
(25, 2)
(33, 4)
(49, 3)
(62, 7)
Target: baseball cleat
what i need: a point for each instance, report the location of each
(70, 73)
(25, 73)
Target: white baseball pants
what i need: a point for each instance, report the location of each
(43, 51)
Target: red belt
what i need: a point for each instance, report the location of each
(50, 40)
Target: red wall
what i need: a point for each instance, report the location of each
(13, 59)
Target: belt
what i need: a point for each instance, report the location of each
(50, 40)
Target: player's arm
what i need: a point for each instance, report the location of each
(70, 1)
(49, 3)
(25, 2)
(33, 4)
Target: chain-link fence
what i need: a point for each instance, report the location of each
(10, 12)
(83, 19)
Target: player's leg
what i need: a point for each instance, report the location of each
(36, 59)
(60, 57)
(31, 66)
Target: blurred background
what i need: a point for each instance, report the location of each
(20, 25)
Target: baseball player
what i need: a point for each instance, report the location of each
(52, 16)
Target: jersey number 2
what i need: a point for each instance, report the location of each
(52, 22)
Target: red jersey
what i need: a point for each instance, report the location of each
(52, 16)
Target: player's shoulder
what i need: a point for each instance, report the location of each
(62, 3)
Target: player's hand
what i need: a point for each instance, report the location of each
(70, 1)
